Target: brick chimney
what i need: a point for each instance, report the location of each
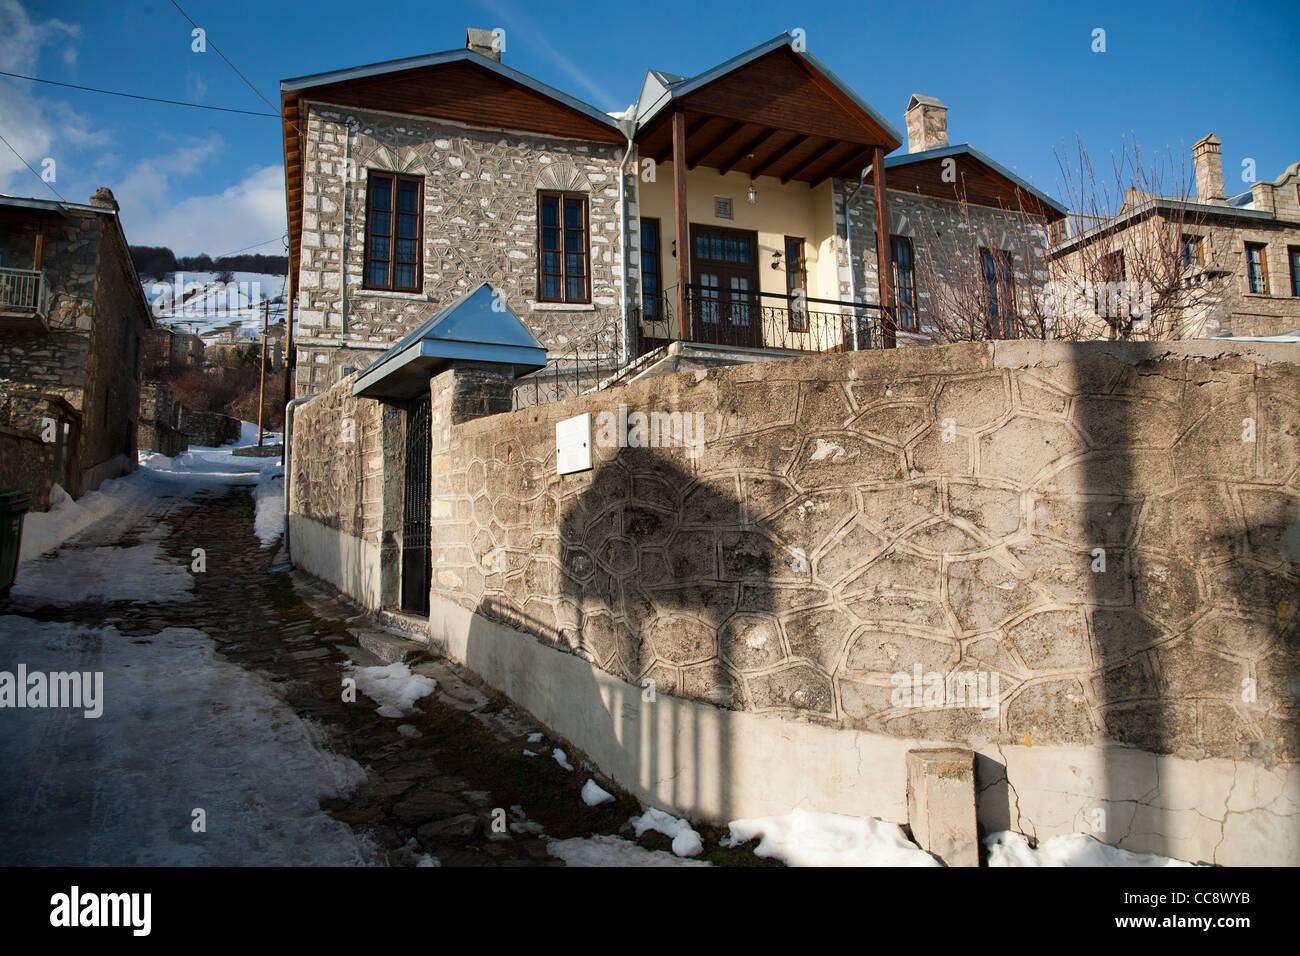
(927, 124)
(104, 197)
(482, 42)
(1209, 169)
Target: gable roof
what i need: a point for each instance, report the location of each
(985, 190)
(676, 88)
(477, 327)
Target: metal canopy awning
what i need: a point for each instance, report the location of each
(477, 327)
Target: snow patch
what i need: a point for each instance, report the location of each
(805, 838)
(1070, 849)
(593, 795)
(392, 686)
(612, 851)
(561, 758)
(686, 842)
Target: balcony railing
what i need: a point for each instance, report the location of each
(763, 320)
(22, 290)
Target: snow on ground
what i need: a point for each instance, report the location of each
(1070, 849)
(686, 842)
(561, 758)
(613, 851)
(142, 572)
(181, 730)
(804, 838)
(392, 686)
(207, 305)
(593, 795)
(159, 482)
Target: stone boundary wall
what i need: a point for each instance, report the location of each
(828, 538)
(209, 429)
(345, 493)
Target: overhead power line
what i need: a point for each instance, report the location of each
(29, 166)
(137, 96)
(226, 58)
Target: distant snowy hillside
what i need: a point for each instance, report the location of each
(198, 302)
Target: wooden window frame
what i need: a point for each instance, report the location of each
(1198, 244)
(658, 261)
(1263, 268)
(1292, 259)
(562, 198)
(394, 179)
(796, 273)
(1004, 281)
(898, 283)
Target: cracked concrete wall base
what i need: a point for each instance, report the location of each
(1215, 810)
(717, 765)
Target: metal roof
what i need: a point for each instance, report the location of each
(301, 83)
(904, 159)
(477, 327)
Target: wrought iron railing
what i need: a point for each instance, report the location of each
(764, 320)
(22, 290)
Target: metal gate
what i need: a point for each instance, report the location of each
(415, 510)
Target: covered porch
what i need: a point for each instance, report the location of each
(741, 215)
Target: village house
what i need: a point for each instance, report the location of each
(411, 182)
(73, 318)
(1230, 265)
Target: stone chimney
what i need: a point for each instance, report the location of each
(927, 124)
(1209, 169)
(104, 197)
(482, 42)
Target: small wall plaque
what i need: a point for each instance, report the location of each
(573, 444)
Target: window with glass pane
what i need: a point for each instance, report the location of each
(1256, 270)
(394, 232)
(900, 252)
(1192, 255)
(562, 248)
(796, 284)
(1293, 255)
(999, 292)
(650, 269)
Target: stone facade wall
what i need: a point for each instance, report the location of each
(830, 536)
(946, 257)
(480, 223)
(160, 418)
(38, 442)
(91, 354)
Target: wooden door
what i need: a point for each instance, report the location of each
(725, 308)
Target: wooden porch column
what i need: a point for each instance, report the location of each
(39, 257)
(680, 225)
(884, 266)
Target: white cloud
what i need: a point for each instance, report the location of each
(36, 128)
(250, 211)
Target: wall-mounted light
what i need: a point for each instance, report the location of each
(674, 248)
(776, 259)
(752, 195)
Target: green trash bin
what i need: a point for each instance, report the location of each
(13, 506)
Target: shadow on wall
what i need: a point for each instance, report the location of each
(1193, 618)
(642, 598)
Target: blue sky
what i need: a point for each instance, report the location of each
(1019, 80)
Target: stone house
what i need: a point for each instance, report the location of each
(411, 182)
(73, 318)
(1237, 259)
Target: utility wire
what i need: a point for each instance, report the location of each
(137, 96)
(226, 58)
(29, 166)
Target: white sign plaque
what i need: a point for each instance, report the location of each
(573, 445)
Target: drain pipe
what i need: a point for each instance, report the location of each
(288, 448)
(622, 239)
(848, 238)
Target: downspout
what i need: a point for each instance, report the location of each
(622, 239)
(848, 239)
(343, 242)
(288, 448)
